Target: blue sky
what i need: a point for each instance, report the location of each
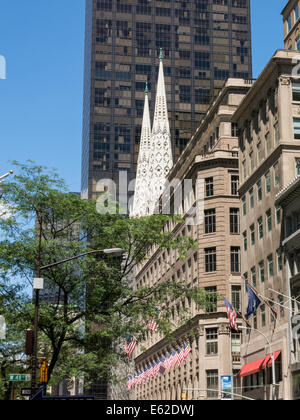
(41, 99)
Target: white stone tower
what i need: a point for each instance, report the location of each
(160, 155)
(155, 156)
(141, 194)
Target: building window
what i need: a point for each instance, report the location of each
(235, 258)
(234, 130)
(296, 86)
(279, 260)
(235, 180)
(251, 198)
(252, 234)
(270, 266)
(234, 221)
(269, 220)
(289, 23)
(253, 276)
(209, 187)
(276, 174)
(260, 228)
(296, 11)
(236, 344)
(255, 321)
(236, 297)
(281, 304)
(297, 128)
(268, 182)
(251, 158)
(210, 221)
(278, 215)
(276, 134)
(297, 167)
(262, 271)
(268, 144)
(245, 240)
(244, 170)
(259, 191)
(259, 156)
(212, 383)
(211, 299)
(245, 276)
(244, 206)
(211, 341)
(210, 260)
(263, 315)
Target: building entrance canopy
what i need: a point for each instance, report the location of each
(258, 365)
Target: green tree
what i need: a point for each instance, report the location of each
(91, 304)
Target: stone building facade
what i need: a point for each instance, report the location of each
(268, 120)
(291, 25)
(289, 200)
(212, 159)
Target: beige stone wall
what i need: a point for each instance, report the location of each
(204, 158)
(291, 30)
(268, 103)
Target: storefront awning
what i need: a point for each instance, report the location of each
(251, 368)
(276, 355)
(258, 365)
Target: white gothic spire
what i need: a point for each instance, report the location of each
(160, 155)
(141, 193)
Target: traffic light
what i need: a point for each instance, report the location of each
(44, 372)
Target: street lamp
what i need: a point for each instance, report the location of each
(272, 358)
(38, 285)
(1, 180)
(5, 176)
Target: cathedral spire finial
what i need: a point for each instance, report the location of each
(146, 89)
(161, 54)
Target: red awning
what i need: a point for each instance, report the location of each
(251, 368)
(276, 355)
(258, 365)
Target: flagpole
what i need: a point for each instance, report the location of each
(232, 377)
(272, 358)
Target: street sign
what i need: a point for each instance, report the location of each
(16, 377)
(26, 392)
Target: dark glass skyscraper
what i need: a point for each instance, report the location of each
(204, 43)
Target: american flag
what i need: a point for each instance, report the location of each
(129, 383)
(145, 373)
(152, 373)
(186, 350)
(152, 324)
(232, 315)
(168, 360)
(129, 346)
(139, 378)
(162, 367)
(156, 367)
(175, 359)
(149, 371)
(180, 355)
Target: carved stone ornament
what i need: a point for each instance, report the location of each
(285, 81)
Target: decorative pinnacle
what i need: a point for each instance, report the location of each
(161, 55)
(146, 89)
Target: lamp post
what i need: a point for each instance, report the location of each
(272, 358)
(38, 286)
